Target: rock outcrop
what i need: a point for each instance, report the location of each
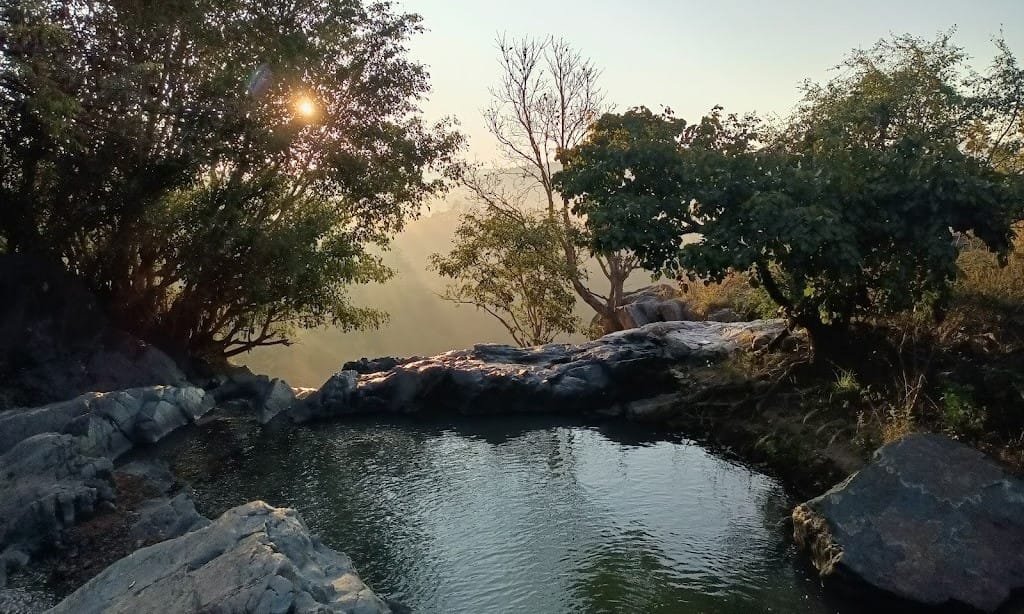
(602, 376)
(929, 520)
(46, 485)
(56, 463)
(109, 424)
(657, 303)
(254, 558)
(55, 342)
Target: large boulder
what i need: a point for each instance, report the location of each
(110, 424)
(656, 303)
(259, 394)
(254, 558)
(929, 520)
(606, 375)
(56, 343)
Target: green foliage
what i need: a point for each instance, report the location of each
(849, 209)
(846, 383)
(960, 413)
(209, 218)
(510, 264)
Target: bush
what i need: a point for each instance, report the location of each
(733, 292)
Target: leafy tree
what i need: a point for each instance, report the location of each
(851, 208)
(211, 218)
(547, 96)
(510, 264)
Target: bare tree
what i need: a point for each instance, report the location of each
(546, 100)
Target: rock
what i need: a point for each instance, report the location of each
(365, 366)
(46, 485)
(254, 558)
(657, 303)
(598, 376)
(725, 314)
(111, 423)
(55, 342)
(929, 520)
(258, 393)
(278, 397)
(20, 601)
(161, 519)
(155, 474)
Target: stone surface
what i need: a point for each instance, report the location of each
(161, 519)
(55, 343)
(278, 397)
(260, 394)
(928, 520)
(254, 558)
(725, 314)
(657, 303)
(604, 375)
(111, 423)
(46, 485)
(20, 601)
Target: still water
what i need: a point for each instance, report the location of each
(518, 515)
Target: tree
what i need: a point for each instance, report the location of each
(849, 209)
(510, 264)
(208, 218)
(547, 98)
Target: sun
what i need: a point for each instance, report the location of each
(305, 107)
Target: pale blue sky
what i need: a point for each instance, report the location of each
(747, 55)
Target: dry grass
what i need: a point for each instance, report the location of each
(735, 292)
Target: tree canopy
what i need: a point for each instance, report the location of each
(851, 207)
(209, 216)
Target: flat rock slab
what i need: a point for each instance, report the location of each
(254, 558)
(604, 375)
(929, 520)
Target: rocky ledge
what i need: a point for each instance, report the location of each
(254, 558)
(928, 520)
(617, 374)
(56, 461)
(59, 489)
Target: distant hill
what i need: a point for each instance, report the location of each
(420, 324)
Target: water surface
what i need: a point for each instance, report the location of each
(520, 515)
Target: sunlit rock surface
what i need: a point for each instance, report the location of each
(254, 558)
(929, 520)
(109, 424)
(605, 375)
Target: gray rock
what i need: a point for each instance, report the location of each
(725, 314)
(21, 601)
(587, 378)
(156, 474)
(109, 423)
(278, 397)
(656, 303)
(46, 485)
(18, 424)
(929, 520)
(161, 519)
(254, 558)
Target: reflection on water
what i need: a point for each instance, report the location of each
(519, 516)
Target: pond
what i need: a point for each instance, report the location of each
(520, 515)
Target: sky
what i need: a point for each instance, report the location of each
(688, 55)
